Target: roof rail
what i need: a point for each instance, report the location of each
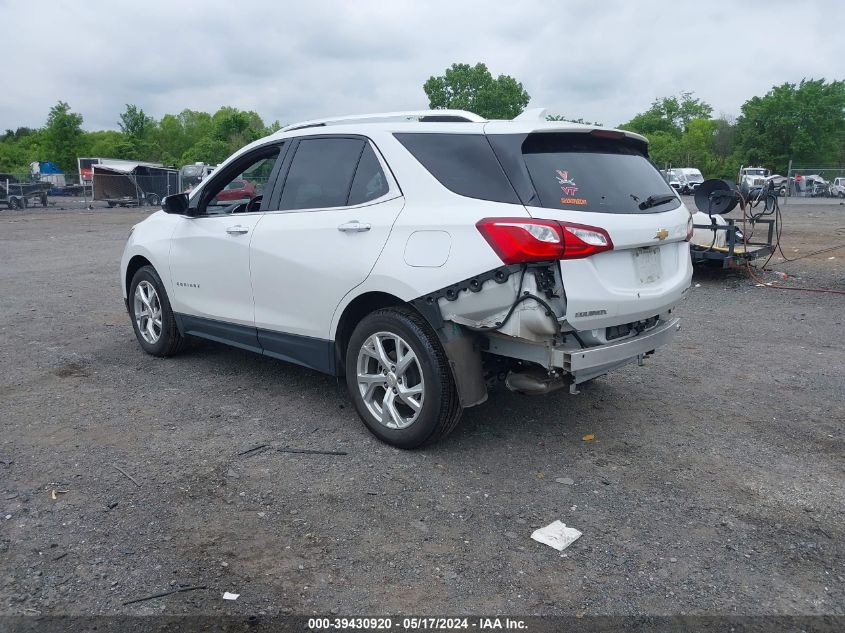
(410, 115)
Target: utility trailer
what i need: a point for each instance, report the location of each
(730, 243)
(738, 249)
(18, 195)
(131, 184)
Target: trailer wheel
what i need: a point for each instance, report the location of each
(111, 204)
(14, 203)
(153, 200)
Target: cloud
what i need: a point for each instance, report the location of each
(599, 60)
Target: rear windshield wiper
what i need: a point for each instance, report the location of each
(654, 201)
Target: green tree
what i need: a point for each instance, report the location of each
(669, 114)
(135, 123)
(206, 150)
(465, 87)
(803, 122)
(106, 144)
(62, 136)
(236, 127)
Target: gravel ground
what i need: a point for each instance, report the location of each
(714, 484)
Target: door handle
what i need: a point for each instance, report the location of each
(237, 230)
(354, 227)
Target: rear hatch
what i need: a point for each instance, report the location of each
(604, 179)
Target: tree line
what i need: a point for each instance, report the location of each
(174, 140)
(804, 122)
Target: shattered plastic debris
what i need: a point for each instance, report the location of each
(589, 437)
(556, 535)
(230, 596)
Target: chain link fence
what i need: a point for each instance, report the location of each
(101, 189)
(813, 181)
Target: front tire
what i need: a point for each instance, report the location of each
(399, 379)
(152, 317)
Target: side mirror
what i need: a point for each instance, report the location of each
(176, 203)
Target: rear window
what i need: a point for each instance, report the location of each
(579, 172)
(463, 163)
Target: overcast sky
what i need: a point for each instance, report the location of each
(601, 60)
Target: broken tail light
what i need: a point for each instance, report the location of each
(690, 229)
(520, 240)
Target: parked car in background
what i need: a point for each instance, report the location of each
(193, 174)
(815, 186)
(837, 188)
(422, 255)
(237, 190)
(673, 179)
(779, 184)
(691, 179)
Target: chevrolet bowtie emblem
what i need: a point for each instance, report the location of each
(662, 234)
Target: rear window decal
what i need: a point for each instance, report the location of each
(578, 201)
(569, 188)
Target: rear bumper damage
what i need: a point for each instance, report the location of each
(518, 313)
(583, 364)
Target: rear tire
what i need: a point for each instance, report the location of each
(152, 317)
(399, 379)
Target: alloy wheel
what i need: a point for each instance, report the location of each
(147, 312)
(390, 380)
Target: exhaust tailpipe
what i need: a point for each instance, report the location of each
(534, 382)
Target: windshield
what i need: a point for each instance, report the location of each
(579, 172)
(755, 172)
(695, 176)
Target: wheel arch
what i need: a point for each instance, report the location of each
(460, 346)
(352, 314)
(133, 266)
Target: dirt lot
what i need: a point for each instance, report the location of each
(714, 485)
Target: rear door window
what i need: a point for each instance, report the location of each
(320, 176)
(463, 163)
(580, 172)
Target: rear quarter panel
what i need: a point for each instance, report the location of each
(429, 206)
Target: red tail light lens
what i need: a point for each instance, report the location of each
(582, 240)
(520, 240)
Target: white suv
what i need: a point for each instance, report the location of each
(423, 255)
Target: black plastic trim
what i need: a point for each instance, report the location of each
(310, 352)
(314, 353)
(241, 336)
